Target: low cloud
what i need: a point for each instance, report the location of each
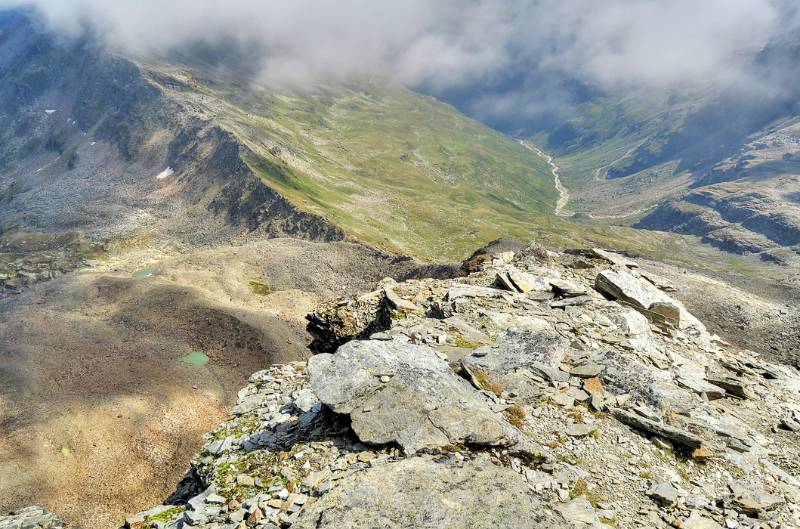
(503, 49)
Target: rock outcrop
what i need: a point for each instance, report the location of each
(33, 517)
(473, 402)
(403, 393)
(621, 284)
(759, 216)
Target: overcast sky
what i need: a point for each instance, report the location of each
(450, 44)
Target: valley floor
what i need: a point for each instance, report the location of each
(563, 192)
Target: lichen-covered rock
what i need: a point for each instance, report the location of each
(514, 357)
(518, 348)
(405, 393)
(427, 494)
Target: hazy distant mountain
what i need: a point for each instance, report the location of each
(627, 150)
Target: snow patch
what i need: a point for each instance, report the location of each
(165, 173)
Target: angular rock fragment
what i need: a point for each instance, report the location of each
(622, 285)
(792, 423)
(424, 404)
(579, 512)
(527, 282)
(700, 386)
(143, 519)
(698, 521)
(33, 517)
(579, 429)
(398, 303)
(566, 289)
(637, 329)
(734, 386)
(612, 257)
(676, 435)
(515, 355)
(472, 291)
(752, 499)
(658, 281)
(663, 493)
(517, 348)
(570, 302)
(518, 281)
(503, 281)
(586, 370)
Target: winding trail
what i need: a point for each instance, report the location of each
(563, 192)
(596, 172)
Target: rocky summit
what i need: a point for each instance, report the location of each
(197, 197)
(558, 390)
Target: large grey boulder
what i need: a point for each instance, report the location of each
(425, 494)
(621, 284)
(612, 257)
(400, 392)
(637, 330)
(663, 493)
(752, 499)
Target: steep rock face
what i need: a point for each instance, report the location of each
(210, 165)
(616, 419)
(63, 102)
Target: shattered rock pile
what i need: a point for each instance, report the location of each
(545, 390)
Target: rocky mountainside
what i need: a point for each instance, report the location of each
(169, 144)
(542, 390)
(748, 203)
(204, 215)
(93, 156)
(101, 152)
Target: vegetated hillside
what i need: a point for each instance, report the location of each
(624, 152)
(90, 148)
(393, 168)
(374, 162)
(400, 171)
(101, 153)
(721, 165)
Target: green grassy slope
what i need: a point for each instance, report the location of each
(398, 170)
(405, 172)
